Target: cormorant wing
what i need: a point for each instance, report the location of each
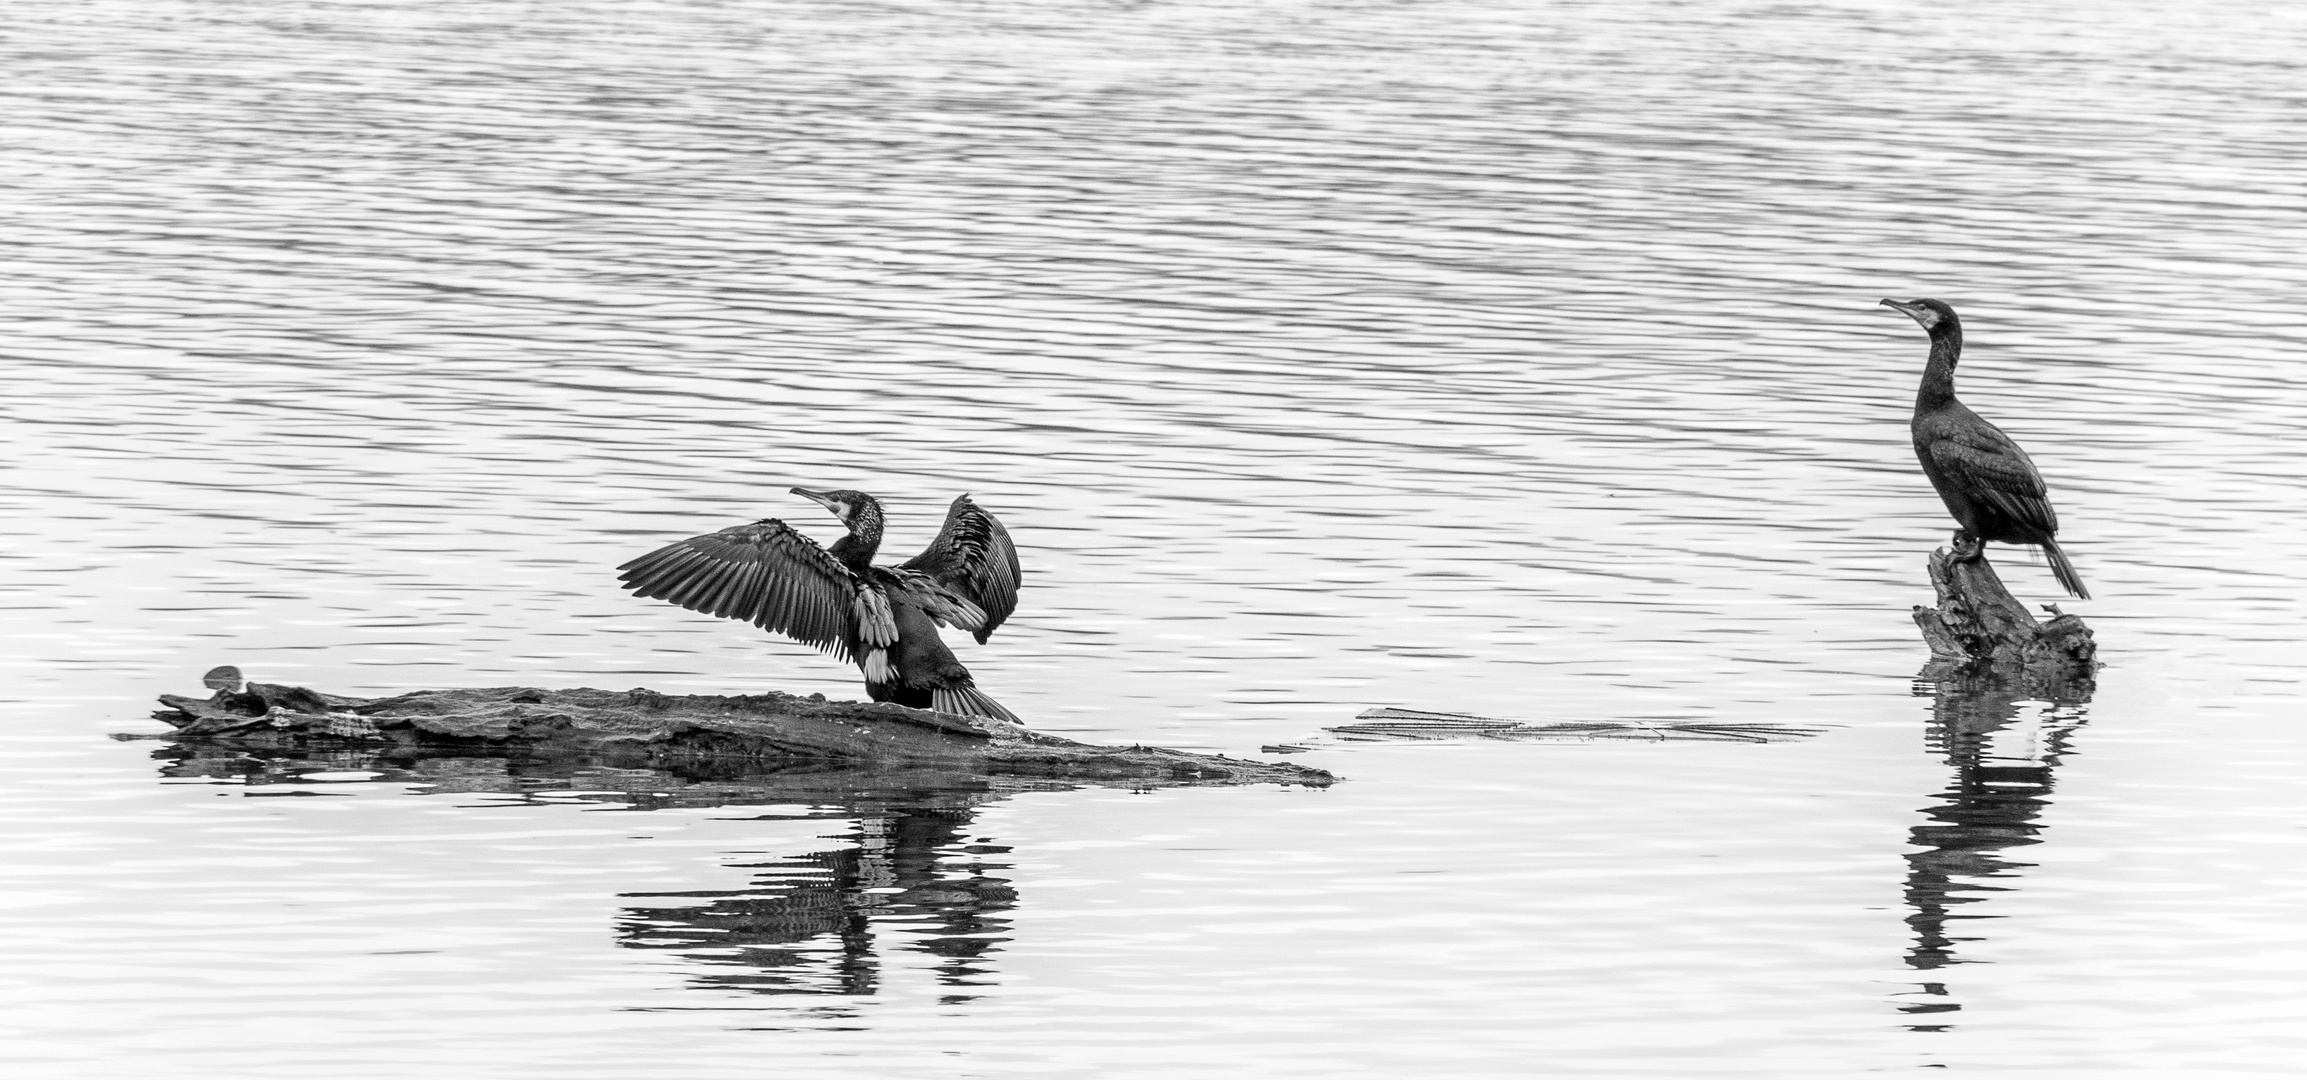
(933, 597)
(972, 557)
(768, 575)
(1992, 468)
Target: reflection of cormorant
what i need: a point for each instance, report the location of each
(807, 926)
(909, 873)
(837, 600)
(2003, 764)
(1988, 483)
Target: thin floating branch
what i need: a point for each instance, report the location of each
(1417, 725)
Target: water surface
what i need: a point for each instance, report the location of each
(1509, 359)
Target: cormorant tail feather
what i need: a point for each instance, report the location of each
(2065, 570)
(969, 701)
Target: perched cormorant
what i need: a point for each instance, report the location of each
(1987, 482)
(885, 619)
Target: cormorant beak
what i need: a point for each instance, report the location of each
(826, 500)
(1923, 316)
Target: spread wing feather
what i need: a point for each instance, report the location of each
(876, 624)
(933, 597)
(974, 560)
(768, 575)
(1994, 470)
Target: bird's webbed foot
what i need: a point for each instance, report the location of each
(1969, 548)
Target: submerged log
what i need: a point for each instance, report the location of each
(648, 729)
(1978, 621)
(620, 777)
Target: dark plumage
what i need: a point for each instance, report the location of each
(883, 618)
(1987, 482)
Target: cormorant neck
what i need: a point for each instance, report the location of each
(857, 549)
(1938, 381)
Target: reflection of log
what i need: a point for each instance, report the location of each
(1977, 619)
(647, 728)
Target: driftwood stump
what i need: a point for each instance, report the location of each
(1978, 621)
(643, 728)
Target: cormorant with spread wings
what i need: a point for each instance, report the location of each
(1987, 482)
(834, 598)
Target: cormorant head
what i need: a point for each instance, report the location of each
(857, 510)
(1934, 315)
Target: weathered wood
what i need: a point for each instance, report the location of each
(1977, 620)
(646, 728)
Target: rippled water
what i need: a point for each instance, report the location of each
(1509, 359)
